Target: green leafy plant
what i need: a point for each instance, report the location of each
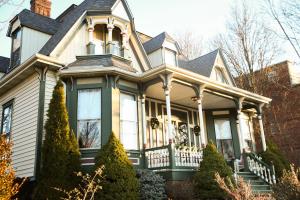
(288, 187)
(205, 185)
(120, 180)
(60, 151)
(274, 156)
(152, 185)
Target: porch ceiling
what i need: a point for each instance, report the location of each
(182, 95)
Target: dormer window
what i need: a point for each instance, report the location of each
(170, 57)
(100, 33)
(116, 41)
(16, 46)
(220, 76)
(16, 40)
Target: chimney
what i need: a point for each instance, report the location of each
(42, 7)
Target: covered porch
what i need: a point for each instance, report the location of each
(195, 113)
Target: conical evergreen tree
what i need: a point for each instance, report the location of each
(60, 151)
(120, 180)
(205, 185)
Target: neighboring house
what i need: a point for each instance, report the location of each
(163, 107)
(282, 117)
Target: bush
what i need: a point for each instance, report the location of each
(60, 151)
(205, 185)
(8, 185)
(273, 156)
(152, 185)
(120, 180)
(288, 187)
(241, 190)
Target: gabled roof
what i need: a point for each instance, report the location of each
(107, 60)
(70, 19)
(35, 21)
(157, 42)
(4, 64)
(202, 65)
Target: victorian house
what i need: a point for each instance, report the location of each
(163, 107)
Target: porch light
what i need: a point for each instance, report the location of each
(195, 98)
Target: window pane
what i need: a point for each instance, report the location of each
(89, 134)
(170, 57)
(6, 121)
(17, 40)
(227, 149)
(129, 134)
(128, 117)
(222, 128)
(246, 129)
(89, 104)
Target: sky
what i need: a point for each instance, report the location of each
(205, 18)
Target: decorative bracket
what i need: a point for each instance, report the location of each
(167, 80)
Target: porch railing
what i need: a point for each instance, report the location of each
(255, 164)
(169, 157)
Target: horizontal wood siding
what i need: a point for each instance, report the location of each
(24, 124)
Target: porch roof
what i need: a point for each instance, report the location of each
(189, 77)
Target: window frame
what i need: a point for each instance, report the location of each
(137, 117)
(175, 56)
(219, 71)
(4, 106)
(100, 119)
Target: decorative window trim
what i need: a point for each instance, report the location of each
(4, 106)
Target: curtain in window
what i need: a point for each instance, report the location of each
(128, 118)
(224, 138)
(89, 118)
(6, 121)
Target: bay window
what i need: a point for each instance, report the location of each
(224, 138)
(89, 118)
(6, 120)
(128, 121)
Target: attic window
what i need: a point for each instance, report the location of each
(170, 57)
(220, 76)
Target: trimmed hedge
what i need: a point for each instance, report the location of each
(274, 156)
(120, 180)
(205, 185)
(60, 151)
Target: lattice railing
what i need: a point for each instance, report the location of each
(187, 158)
(261, 169)
(158, 157)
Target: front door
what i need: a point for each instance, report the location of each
(180, 126)
(224, 138)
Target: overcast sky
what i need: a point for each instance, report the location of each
(206, 18)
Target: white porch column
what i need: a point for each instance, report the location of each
(200, 110)
(144, 122)
(169, 115)
(110, 26)
(90, 29)
(239, 117)
(261, 127)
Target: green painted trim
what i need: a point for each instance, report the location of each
(235, 136)
(40, 126)
(211, 135)
(106, 108)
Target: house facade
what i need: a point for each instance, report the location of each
(163, 107)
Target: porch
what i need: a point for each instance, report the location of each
(194, 114)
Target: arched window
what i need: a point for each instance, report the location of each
(220, 76)
(100, 32)
(117, 41)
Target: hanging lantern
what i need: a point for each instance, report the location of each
(154, 123)
(196, 130)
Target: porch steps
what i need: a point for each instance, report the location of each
(257, 184)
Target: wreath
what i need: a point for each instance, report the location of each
(154, 123)
(196, 130)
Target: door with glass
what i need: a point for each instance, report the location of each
(224, 138)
